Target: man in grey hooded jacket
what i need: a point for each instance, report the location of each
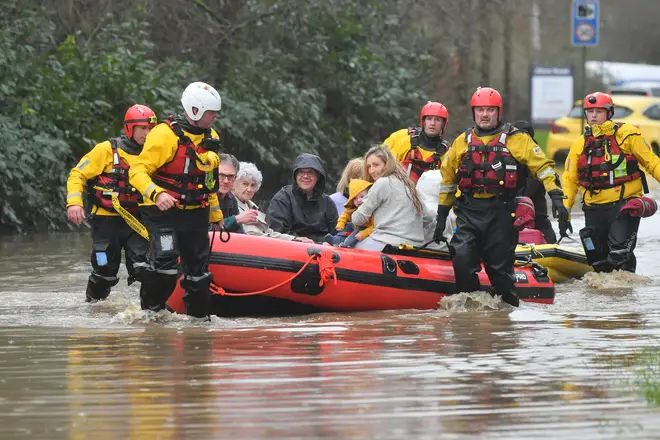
(302, 208)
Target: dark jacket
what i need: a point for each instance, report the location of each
(229, 207)
(534, 189)
(292, 212)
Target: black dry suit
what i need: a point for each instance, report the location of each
(111, 234)
(484, 230)
(291, 211)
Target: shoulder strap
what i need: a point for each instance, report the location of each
(176, 128)
(467, 134)
(414, 133)
(445, 146)
(115, 151)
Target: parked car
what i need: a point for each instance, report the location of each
(646, 88)
(642, 111)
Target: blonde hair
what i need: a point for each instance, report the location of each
(353, 170)
(393, 168)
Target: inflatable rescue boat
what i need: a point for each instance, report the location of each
(564, 263)
(261, 276)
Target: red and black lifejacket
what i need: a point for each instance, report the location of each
(489, 168)
(604, 165)
(180, 177)
(414, 163)
(101, 188)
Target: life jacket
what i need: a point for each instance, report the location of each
(489, 168)
(414, 163)
(180, 177)
(101, 188)
(604, 165)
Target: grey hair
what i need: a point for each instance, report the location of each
(224, 158)
(249, 171)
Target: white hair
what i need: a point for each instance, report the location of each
(249, 171)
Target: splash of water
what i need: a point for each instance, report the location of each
(472, 302)
(615, 280)
(132, 314)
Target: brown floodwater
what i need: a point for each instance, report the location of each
(71, 370)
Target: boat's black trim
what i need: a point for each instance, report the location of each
(550, 253)
(426, 253)
(311, 275)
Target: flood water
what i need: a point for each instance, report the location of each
(107, 371)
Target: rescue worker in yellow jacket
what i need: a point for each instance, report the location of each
(485, 163)
(177, 174)
(605, 164)
(104, 173)
(420, 149)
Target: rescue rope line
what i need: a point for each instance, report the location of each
(129, 218)
(327, 272)
(532, 249)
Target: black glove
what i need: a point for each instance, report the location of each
(211, 144)
(560, 212)
(443, 213)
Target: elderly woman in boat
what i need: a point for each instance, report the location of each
(248, 181)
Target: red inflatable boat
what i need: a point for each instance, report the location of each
(260, 276)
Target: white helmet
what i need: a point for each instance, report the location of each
(199, 97)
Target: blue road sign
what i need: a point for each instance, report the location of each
(585, 22)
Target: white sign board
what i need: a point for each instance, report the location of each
(551, 92)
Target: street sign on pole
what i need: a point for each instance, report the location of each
(585, 17)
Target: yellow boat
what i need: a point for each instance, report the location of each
(563, 263)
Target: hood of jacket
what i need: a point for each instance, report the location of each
(355, 187)
(306, 160)
(187, 127)
(604, 129)
(128, 145)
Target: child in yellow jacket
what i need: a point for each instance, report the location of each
(347, 235)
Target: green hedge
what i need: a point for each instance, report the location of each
(328, 78)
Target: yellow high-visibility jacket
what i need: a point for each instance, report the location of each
(93, 164)
(630, 141)
(399, 144)
(160, 148)
(522, 148)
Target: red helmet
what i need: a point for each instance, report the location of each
(138, 115)
(600, 100)
(486, 97)
(433, 108)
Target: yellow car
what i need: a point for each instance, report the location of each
(642, 111)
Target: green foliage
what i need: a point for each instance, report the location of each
(324, 77)
(31, 171)
(647, 363)
(60, 99)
